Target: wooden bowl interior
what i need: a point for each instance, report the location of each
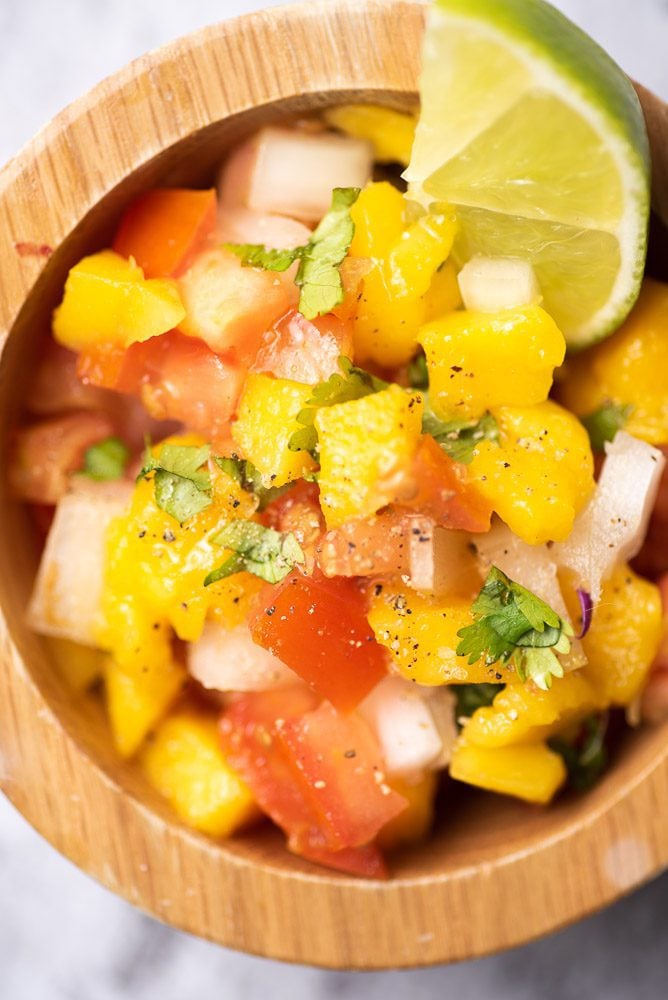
(464, 892)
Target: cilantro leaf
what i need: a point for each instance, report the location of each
(354, 383)
(586, 757)
(418, 375)
(247, 476)
(471, 697)
(264, 552)
(105, 460)
(459, 438)
(602, 425)
(182, 486)
(511, 623)
(318, 274)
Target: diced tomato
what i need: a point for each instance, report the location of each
(370, 546)
(46, 453)
(55, 386)
(353, 271)
(298, 511)
(318, 627)
(443, 493)
(302, 350)
(229, 306)
(165, 228)
(364, 862)
(176, 377)
(316, 773)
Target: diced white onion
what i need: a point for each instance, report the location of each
(240, 225)
(228, 660)
(533, 567)
(490, 284)
(613, 526)
(437, 556)
(291, 172)
(67, 597)
(414, 726)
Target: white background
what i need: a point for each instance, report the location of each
(62, 937)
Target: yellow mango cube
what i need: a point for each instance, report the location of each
(533, 773)
(378, 216)
(415, 822)
(624, 637)
(522, 713)
(365, 447)
(108, 300)
(80, 666)
(137, 701)
(540, 475)
(478, 361)
(443, 295)
(420, 633)
(267, 419)
(185, 763)
(628, 368)
(390, 132)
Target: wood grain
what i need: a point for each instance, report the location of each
(496, 873)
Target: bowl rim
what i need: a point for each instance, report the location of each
(144, 854)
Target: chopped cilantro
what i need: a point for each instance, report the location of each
(354, 383)
(511, 623)
(471, 697)
(602, 425)
(459, 438)
(182, 486)
(105, 460)
(318, 275)
(418, 374)
(586, 756)
(266, 553)
(248, 477)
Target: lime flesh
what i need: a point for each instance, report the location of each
(537, 138)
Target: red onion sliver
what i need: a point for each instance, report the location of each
(586, 610)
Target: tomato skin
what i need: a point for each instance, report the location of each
(318, 627)
(176, 377)
(317, 774)
(164, 229)
(443, 493)
(373, 545)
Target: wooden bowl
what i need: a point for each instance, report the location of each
(496, 873)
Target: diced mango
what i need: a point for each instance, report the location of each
(413, 824)
(80, 666)
(443, 296)
(628, 368)
(390, 132)
(541, 473)
(156, 568)
(479, 361)
(533, 773)
(366, 446)
(137, 701)
(624, 636)
(522, 713)
(267, 419)
(108, 301)
(185, 763)
(421, 634)
(378, 216)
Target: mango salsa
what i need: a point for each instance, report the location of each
(390, 132)
(185, 763)
(478, 361)
(413, 824)
(137, 701)
(628, 369)
(541, 473)
(266, 421)
(108, 301)
(365, 445)
(533, 773)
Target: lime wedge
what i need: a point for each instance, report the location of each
(537, 138)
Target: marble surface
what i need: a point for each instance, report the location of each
(62, 937)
